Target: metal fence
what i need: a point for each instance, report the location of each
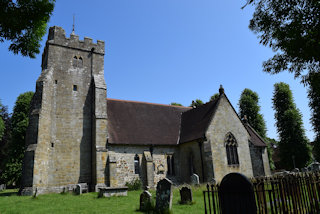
(292, 193)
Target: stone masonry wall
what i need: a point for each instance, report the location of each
(226, 120)
(63, 140)
(124, 156)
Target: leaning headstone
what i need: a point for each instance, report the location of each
(304, 169)
(236, 195)
(164, 195)
(185, 195)
(78, 189)
(194, 179)
(145, 201)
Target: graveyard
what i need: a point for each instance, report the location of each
(10, 202)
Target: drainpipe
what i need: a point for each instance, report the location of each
(200, 143)
(93, 144)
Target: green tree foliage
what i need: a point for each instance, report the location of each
(249, 106)
(292, 29)
(314, 103)
(5, 118)
(293, 143)
(24, 22)
(16, 148)
(196, 103)
(215, 96)
(175, 104)
(2, 125)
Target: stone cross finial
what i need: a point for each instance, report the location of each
(73, 26)
(221, 90)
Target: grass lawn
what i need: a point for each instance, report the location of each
(90, 203)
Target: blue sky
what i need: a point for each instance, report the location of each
(165, 51)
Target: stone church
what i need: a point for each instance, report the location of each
(77, 135)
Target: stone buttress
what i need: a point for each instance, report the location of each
(67, 133)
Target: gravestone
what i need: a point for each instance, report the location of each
(78, 189)
(295, 170)
(2, 187)
(164, 195)
(236, 195)
(315, 166)
(145, 201)
(194, 179)
(185, 195)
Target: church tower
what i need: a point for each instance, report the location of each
(67, 133)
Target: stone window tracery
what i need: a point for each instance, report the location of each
(77, 62)
(231, 149)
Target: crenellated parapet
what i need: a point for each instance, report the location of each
(57, 36)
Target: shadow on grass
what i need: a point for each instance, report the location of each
(2, 194)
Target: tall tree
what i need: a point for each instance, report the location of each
(249, 106)
(5, 134)
(314, 103)
(2, 125)
(292, 30)
(16, 148)
(293, 145)
(24, 22)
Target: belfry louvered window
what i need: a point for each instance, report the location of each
(231, 149)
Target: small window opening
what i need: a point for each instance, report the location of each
(75, 88)
(52, 145)
(80, 62)
(75, 61)
(56, 81)
(136, 164)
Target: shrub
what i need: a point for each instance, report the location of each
(134, 184)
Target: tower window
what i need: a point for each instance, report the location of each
(56, 81)
(75, 88)
(231, 149)
(136, 164)
(77, 62)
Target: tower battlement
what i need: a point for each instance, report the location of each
(57, 36)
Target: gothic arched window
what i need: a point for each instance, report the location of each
(75, 61)
(231, 149)
(136, 164)
(80, 62)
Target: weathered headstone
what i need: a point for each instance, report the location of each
(164, 195)
(78, 189)
(315, 166)
(145, 201)
(194, 179)
(185, 195)
(295, 170)
(236, 195)
(2, 187)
